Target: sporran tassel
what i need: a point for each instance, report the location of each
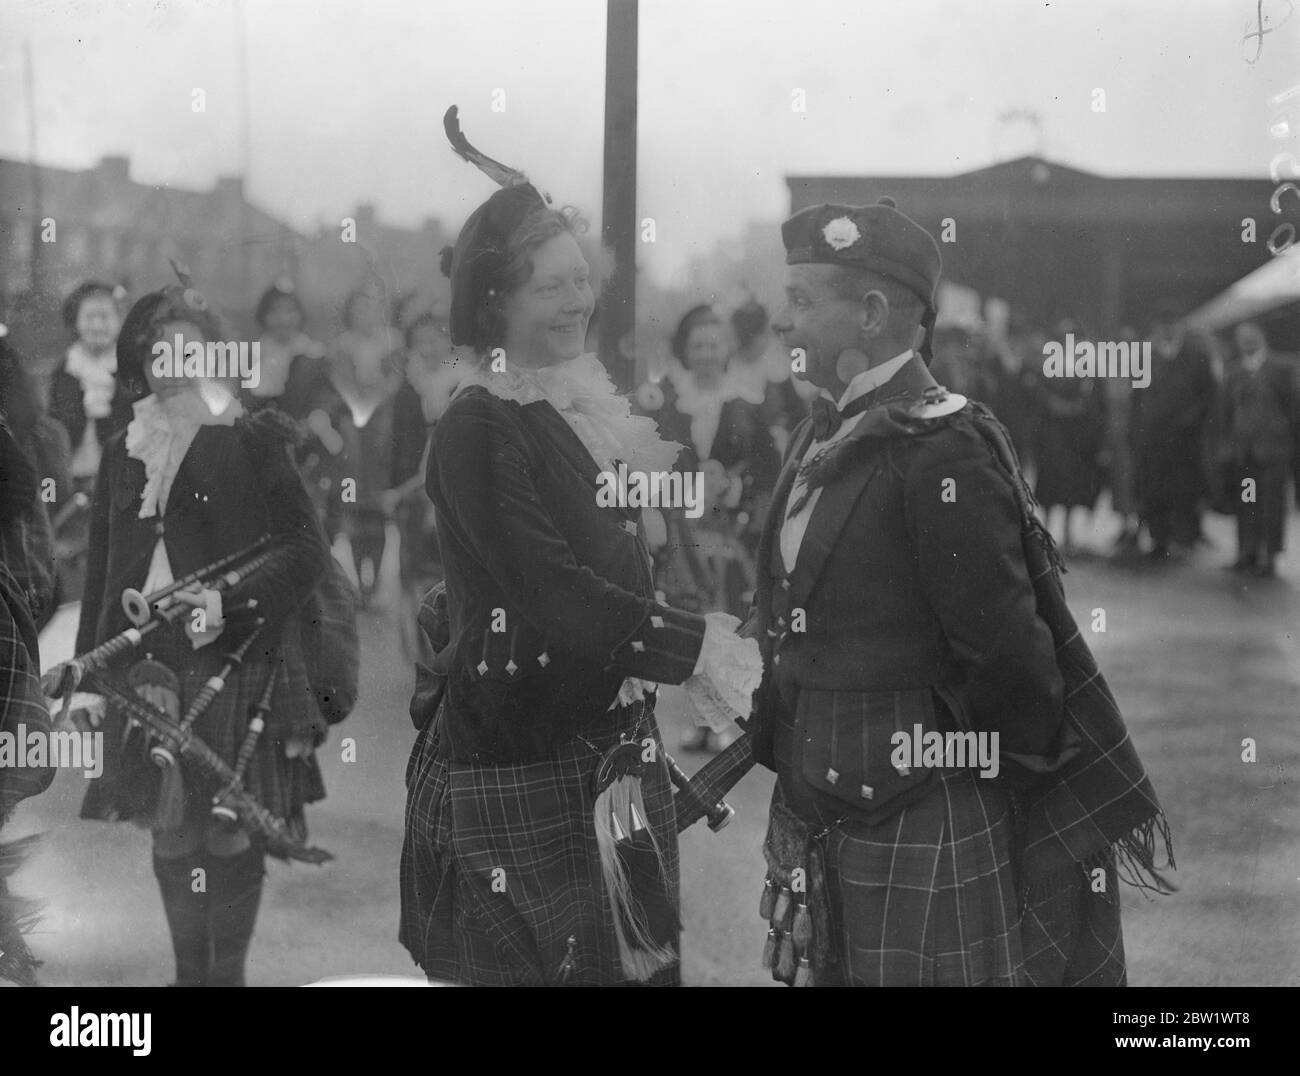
(632, 866)
(785, 962)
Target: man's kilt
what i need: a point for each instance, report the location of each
(926, 897)
(500, 867)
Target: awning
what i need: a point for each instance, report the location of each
(1267, 288)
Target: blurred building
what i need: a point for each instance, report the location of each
(1056, 241)
(109, 226)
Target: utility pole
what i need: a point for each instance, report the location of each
(619, 222)
(36, 261)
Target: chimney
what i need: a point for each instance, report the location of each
(115, 170)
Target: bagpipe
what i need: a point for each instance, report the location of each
(175, 738)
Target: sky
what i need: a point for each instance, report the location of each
(346, 96)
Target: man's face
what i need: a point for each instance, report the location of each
(817, 321)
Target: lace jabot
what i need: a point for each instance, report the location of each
(161, 433)
(582, 392)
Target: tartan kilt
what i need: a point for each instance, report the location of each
(128, 788)
(926, 897)
(534, 822)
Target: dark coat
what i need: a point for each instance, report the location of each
(1166, 425)
(527, 547)
(235, 484)
(66, 406)
(913, 605)
(1261, 413)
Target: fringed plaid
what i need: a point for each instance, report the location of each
(1100, 803)
(500, 873)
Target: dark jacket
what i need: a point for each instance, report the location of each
(215, 507)
(916, 608)
(66, 405)
(565, 583)
(1261, 413)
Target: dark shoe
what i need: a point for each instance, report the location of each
(187, 916)
(1241, 566)
(235, 884)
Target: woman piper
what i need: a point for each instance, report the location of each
(540, 840)
(189, 481)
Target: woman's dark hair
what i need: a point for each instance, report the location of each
(79, 294)
(537, 227)
(704, 314)
(277, 293)
(19, 399)
(748, 322)
(144, 322)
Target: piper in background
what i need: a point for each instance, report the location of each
(188, 482)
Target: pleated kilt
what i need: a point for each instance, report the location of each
(928, 896)
(128, 788)
(500, 867)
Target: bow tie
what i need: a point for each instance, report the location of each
(827, 418)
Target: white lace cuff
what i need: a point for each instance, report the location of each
(726, 675)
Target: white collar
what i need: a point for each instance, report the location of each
(581, 391)
(871, 379)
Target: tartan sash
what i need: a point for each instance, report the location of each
(1096, 796)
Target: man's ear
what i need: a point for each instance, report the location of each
(874, 313)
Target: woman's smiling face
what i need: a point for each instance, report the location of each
(546, 317)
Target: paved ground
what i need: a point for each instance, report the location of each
(1198, 659)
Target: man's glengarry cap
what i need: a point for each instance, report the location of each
(878, 238)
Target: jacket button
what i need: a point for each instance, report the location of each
(868, 792)
(638, 646)
(902, 769)
(482, 667)
(511, 666)
(832, 776)
(543, 659)
(657, 621)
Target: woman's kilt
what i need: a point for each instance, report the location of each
(928, 896)
(500, 872)
(129, 786)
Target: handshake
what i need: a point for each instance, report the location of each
(728, 672)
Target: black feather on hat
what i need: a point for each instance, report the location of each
(477, 263)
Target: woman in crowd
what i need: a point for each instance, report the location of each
(293, 379)
(515, 864)
(86, 398)
(365, 373)
(1260, 427)
(1068, 447)
(189, 480)
(292, 374)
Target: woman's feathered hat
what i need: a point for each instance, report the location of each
(477, 263)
